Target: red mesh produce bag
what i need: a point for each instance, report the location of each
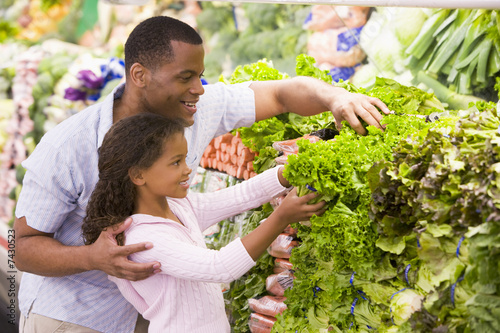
(259, 323)
(282, 265)
(276, 284)
(282, 246)
(268, 305)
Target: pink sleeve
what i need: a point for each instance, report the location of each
(183, 259)
(211, 208)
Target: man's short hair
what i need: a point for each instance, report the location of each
(150, 42)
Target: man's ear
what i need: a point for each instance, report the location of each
(139, 75)
(135, 175)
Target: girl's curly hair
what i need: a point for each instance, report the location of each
(133, 142)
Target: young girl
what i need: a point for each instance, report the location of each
(143, 173)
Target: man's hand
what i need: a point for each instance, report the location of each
(106, 255)
(349, 106)
(39, 253)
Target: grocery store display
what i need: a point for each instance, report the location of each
(334, 42)
(14, 150)
(228, 154)
(450, 217)
(410, 240)
(238, 34)
(451, 51)
(347, 275)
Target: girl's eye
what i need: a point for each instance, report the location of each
(178, 162)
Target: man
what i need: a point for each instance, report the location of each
(65, 283)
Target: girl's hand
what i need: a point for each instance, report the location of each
(296, 209)
(282, 179)
(292, 209)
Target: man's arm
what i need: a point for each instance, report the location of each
(308, 96)
(39, 253)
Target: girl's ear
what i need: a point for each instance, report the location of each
(135, 175)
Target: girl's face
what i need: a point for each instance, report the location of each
(169, 175)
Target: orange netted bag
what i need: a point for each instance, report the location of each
(276, 284)
(259, 323)
(282, 265)
(268, 305)
(282, 246)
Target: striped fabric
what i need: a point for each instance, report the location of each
(187, 296)
(61, 174)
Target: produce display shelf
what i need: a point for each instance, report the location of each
(452, 4)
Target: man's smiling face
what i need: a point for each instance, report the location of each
(174, 88)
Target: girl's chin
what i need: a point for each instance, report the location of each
(180, 193)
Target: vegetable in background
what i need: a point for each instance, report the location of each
(240, 34)
(50, 70)
(461, 47)
(454, 100)
(382, 41)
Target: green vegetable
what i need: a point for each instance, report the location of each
(404, 304)
(441, 186)
(418, 48)
(408, 100)
(406, 213)
(407, 23)
(461, 48)
(253, 283)
(454, 100)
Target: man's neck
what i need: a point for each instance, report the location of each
(125, 106)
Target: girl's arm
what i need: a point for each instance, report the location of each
(181, 258)
(211, 208)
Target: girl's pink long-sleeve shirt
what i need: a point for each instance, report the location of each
(187, 296)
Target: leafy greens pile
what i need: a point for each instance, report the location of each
(260, 136)
(403, 247)
(344, 280)
(442, 190)
(410, 240)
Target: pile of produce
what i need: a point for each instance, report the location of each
(38, 20)
(455, 48)
(47, 89)
(238, 34)
(15, 147)
(381, 257)
(227, 153)
(460, 45)
(436, 207)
